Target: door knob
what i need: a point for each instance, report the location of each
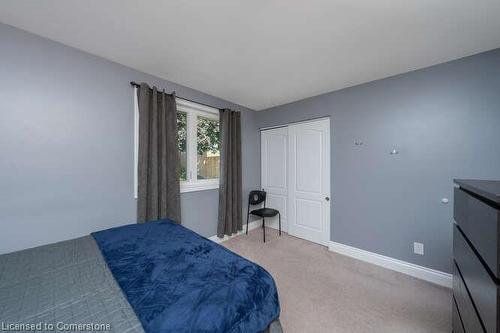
(327, 198)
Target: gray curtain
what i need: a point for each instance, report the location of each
(230, 174)
(158, 169)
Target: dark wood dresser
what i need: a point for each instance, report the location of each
(476, 254)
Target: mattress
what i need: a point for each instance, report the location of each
(66, 284)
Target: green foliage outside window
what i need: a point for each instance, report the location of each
(181, 142)
(208, 136)
(181, 131)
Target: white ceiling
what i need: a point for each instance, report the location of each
(262, 53)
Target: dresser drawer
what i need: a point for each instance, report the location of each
(480, 223)
(482, 289)
(456, 321)
(470, 319)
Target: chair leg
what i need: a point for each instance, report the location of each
(279, 223)
(264, 228)
(247, 223)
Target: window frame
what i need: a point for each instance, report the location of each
(192, 110)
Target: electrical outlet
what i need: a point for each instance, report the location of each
(418, 248)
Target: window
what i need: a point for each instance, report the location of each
(182, 143)
(207, 150)
(198, 138)
(198, 141)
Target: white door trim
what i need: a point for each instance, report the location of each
(328, 226)
(293, 123)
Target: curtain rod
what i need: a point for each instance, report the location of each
(137, 85)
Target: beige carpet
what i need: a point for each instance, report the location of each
(321, 291)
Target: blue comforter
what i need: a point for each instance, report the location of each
(178, 281)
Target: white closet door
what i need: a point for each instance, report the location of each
(309, 181)
(274, 147)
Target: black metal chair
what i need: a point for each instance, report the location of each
(256, 198)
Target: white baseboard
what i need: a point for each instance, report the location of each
(419, 272)
(251, 226)
(274, 225)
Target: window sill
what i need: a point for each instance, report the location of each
(201, 185)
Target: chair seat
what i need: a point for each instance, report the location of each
(264, 212)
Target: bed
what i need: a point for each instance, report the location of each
(154, 277)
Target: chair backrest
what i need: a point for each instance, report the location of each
(256, 197)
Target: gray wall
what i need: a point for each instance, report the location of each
(66, 147)
(444, 120)
(66, 144)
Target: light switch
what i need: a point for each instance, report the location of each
(418, 248)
